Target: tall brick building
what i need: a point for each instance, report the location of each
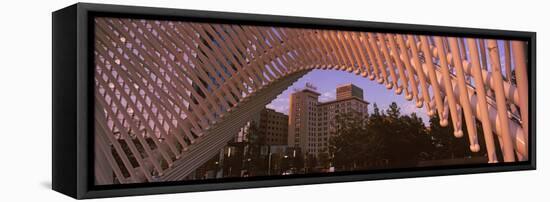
(312, 123)
(274, 126)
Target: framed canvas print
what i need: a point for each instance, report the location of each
(155, 100)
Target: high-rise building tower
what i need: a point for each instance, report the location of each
(302, 117)
(274, 127)
(312, 123)
(347, 91)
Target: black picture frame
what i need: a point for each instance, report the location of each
(72, 127)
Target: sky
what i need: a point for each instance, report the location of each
(326, 82)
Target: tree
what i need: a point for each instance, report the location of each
(376, 110)
(384, 139)
(393, 112)
(311, 162)
(256, 164)
(389, 139)
(354, 146)
(450, 147)
(324, 160)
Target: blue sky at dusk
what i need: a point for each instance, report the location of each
(326, 82)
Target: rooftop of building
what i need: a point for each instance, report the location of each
(345, 99)
(309, 91)
(346, 84)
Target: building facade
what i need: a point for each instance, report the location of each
(312, 123)
(347, 91)
(302, 117)
(274, 127)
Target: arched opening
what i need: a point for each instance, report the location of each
(393, 133)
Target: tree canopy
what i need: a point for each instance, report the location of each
(390, 139)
